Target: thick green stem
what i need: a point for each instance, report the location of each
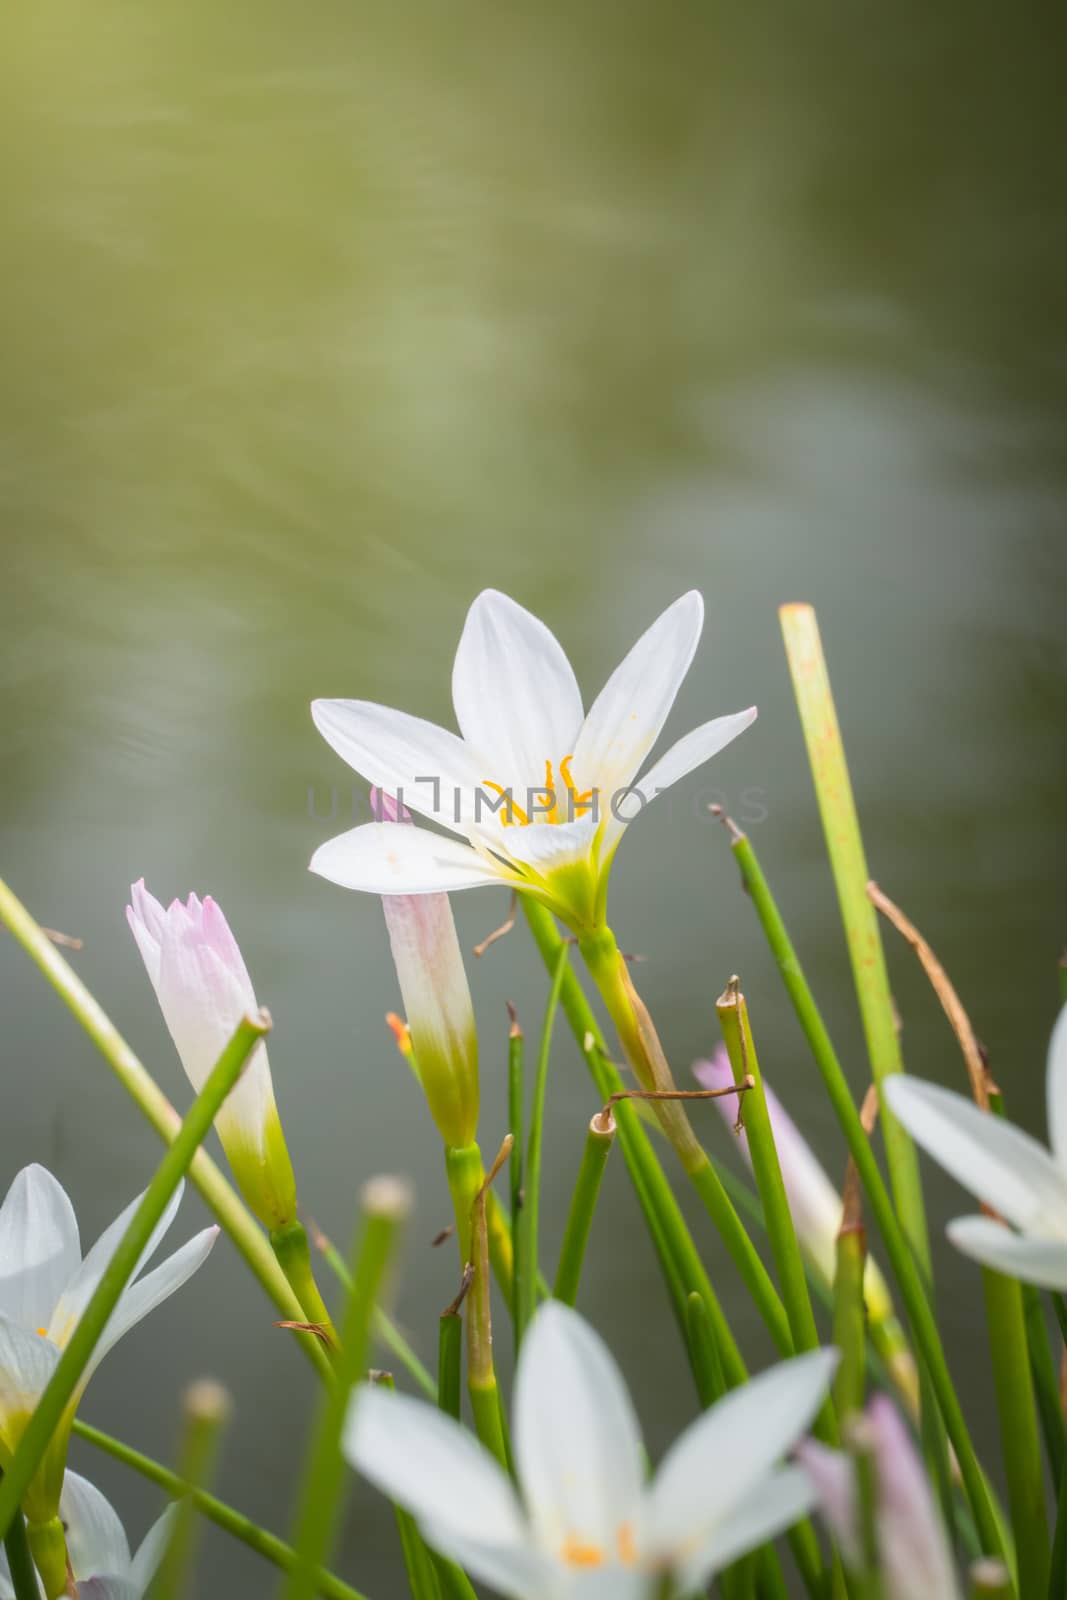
(19, 1560)
(233, 1522)
(1046, 1384)
(1018, 1431)
(844, 843)
(850, 1331)
(481, 1371)
(1057, 1577)
(526, 1240)
(217, 1192)
(516, 1104)
(913, 1289)
(785, 1248)
(598, 1143)
(450, 1362)
(293, 1254)
(385, 1204)
(54, 1410)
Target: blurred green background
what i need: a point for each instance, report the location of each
(316, 321)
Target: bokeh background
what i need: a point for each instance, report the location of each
(315, 321)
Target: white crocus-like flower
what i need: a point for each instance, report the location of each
(98, 1549)
(1004, 1167)
(914, 1554)
(203, 988)
(587, 1525)
(538, 793)
(45, 1287)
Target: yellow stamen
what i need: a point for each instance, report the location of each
(577, 1554)
(627, 1545)
(511, 811)
(43, 1332)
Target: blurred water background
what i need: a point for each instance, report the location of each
(316, 321)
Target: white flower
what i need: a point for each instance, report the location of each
(45, 1287)
(98, 1548)
(1004, 1167)
(914, 1555)
(203, 988)
(587, 1524)
(565, 784)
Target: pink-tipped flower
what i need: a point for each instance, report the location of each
(813, 1200)
(443, 1041)
(204, 990)
(914, 1555)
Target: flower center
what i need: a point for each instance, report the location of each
(576, 1552)
(549, 808)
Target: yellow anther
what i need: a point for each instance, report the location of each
(577, 1554)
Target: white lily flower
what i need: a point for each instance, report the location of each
(44, 1288)
(538, 793)
(914, 1553)
(203, 988)
(587, 1524)
(1003, 1167)
(98, 1549)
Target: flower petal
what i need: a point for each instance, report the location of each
(27, 1362)
(577, 1441)
(424, 766)
(629, 712)
(915, 1550)
(1024, 1256)
(381, 858)
(79, 1290)
(152, 1549)
(722, 1457)
(693, 750)
(431, 1466)
(516, 697)
(780, 1500)
(520, 1572)
(96, 1539)
(1056, 1090)
(39, 1247)
(546, 846)
(994, 1160)
(143, 1295)
(834, 1479)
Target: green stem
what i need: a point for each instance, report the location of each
(529, 1217)
(707, 1367)
(1046, 1384)
(598, 1143)
(1057, 1576)
(913, 1290)
(679, 1258)
(740, 1045)
(233, 1522)
(844, 843)
(1018, 1431)
(481, 1371)
(51, 1418)
(293, 1254)
(516, 1101)
(450, 1363)
(19, 1560)
(645, 1055)
(850, 1331)
(218, 1193)
(385, 1204)
(207, 1409)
